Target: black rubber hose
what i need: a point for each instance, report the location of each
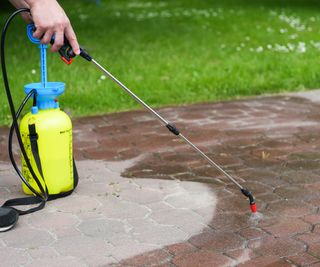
(44, 193)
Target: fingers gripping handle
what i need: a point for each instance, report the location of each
(65, 51)
(67, 54)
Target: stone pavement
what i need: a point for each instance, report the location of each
(146, 199)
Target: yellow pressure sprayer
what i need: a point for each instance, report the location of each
(45, 138)
(46, 133)
(48, 130)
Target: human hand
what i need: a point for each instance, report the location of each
(49, 19)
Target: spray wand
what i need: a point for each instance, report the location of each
(67, 54)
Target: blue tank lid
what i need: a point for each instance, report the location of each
(46, 96)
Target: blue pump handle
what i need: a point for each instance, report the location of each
(47, 91)
(43, 54)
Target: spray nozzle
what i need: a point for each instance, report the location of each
(249, 195)
(67, 54)
(65, 51)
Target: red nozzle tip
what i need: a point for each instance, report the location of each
(253, 207)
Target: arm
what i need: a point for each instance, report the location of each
(49, 19)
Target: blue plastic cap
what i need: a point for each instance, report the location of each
(46, 96)
(34, 110)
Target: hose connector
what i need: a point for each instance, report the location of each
(249, 195)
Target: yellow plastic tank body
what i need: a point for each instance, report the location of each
(54, 129)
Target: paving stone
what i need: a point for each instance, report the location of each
(124, 210)
(202, 258)
(184, 219)
(58, 261)
(153, 258)
(241, 255)
(76, 204)
(300, 177)
(252, 233)
(32, 238)
(165, 186)
(217, 241)
(43, 252)
(288, 227)
(141, 195)
(201, 197)
(263, 175)
(315, 264)
(83, 247)
(98, 154)
(268, 198)
(159, 235)
(8, 178)
(290, 208)
(13, 257)
(52, 221)
(276, 246)
(122, 252)
(98, 171)
(315, 202)
(309, 238)
(314, 249)
(304, 164)
(236, 203)
(266, 261)
(292, 192)
(99, 260)
(304, 259)
(102, 228)
(224, 221)
(181, 248)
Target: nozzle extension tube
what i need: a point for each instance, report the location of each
(176, 132)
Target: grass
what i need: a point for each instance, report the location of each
(176, 52)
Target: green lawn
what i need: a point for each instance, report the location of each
(176, 51)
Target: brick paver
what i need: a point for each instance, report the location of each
(146, 199)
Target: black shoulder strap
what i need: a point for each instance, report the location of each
(34, 146)
(32, 199)
(25, 201)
